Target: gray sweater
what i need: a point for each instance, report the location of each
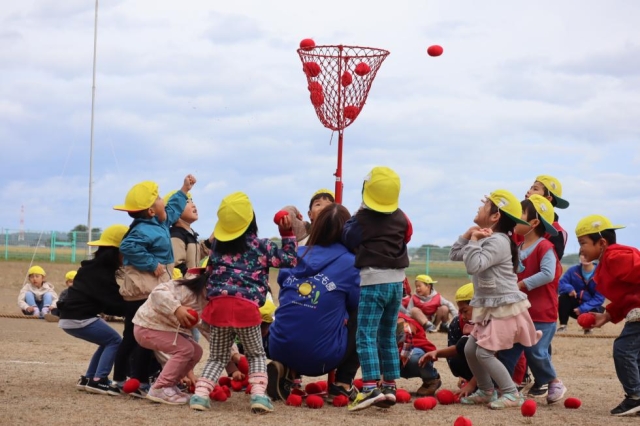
(489, 262)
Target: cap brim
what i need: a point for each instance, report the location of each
(372, 205)
(124, 208)
(561, 203)
(196, 271)
(100, 243)
(516, 219)
(221, 234)
(549, 228)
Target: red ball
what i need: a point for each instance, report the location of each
(276, 219)
(402, 396)
(294, 400)
(572, 403)
(462, 421)
(341, 401)
(314, 401)
(445, 397)
(236, 385)
(421, 404)
(587, 320)
(311, 69)
(346, 79)
(432, 401)
(323, 385)
(307, 44)
(226, 390)
(314, 86)
(435, 50)
(358, 384)
(351, 112)
(529, 408)
(131, 385)
(195, 315)
(218, 395)
(243, 364)
(317, 99)
(313, 388)
(224, 381)
(362, 69)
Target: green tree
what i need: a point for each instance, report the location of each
(82, 233)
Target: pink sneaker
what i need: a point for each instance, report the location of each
(166, 396)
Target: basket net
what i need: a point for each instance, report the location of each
(339, 79)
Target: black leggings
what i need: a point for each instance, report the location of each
(567, 304)
(131, 359)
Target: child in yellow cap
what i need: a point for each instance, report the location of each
(238, 282)
(37, 297)
(500, 309)
(148, 261)
(538, 277)
(378, 234)
(55, 313)
(617, 278)
(429, 307)
(319, 200)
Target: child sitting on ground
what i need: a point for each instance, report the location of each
(37, 297)
(428, 307)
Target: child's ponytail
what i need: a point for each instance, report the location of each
(506, 225)
(196, 285)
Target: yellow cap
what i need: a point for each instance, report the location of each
(140, 197)
(176, 274)
(381, 190)
(425, 279)
(36, 270)
(508, 204)
(324, 191)
(267, 310)
(594, 224)
(69, 276)
(464, 293)
(545, 212)
(170, 194)
(234, 217)
(204, 262)
(111, 237)
(555, 188)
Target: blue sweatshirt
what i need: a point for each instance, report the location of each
(309, 333)
(148, 242)
(586, 293)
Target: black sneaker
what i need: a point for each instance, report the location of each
(538, 391)
(336, 390)
(82, 383)
(141, 392)
(366, 399)
(626, 407)
(114, 390)
(99, 386)
(277, 389)
(444, 327)
(389, 400)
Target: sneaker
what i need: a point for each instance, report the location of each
(261, 404)
(429, 327)
(556, 392)
(199, 403)
(166, 396)
(538, 391)
(507, 400)
(562, 329)
(51, 318)
(82, 383)
(479, 397)
(276, 381)
(366, 399)
(36, 313)
(141, 392)
(429, 387)
(444, 327)
(98, 386)
(626, 407)
(45, 311)
(588, 332)
(336, 390)
(389, 400)
(114, 390)
(525, 382)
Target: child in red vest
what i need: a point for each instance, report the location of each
(428, 307)
(413, 344)
(617, 278)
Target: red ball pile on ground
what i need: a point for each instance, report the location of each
(341, 401)
(346, 79)
(236, 385)
(358, 384)
(435, 50)
(294, 400)
(432, 401)
(311, 69)
(276, 219)
(218, 394)
(307, 44)
(195, 315)
(224, 381)
(529, 408)
(323, 385)
(421, 404)
(587, 320)
(131, 385)
(317, 98)
(572, 403)
(462, 421)
(314, 86)
(402, 396)
(445, 397)
(362, 69)
(351, 112)
(313, 388)
(314, 401)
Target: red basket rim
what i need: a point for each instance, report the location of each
(375, 50)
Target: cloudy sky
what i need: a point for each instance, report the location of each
(217, 89)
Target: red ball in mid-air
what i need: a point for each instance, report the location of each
(435, 50)
(307, 44)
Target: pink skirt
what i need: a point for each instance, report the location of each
(502, 333)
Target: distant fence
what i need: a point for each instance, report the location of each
(51, 246)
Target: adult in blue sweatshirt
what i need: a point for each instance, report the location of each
(578, 293)
(314, 328)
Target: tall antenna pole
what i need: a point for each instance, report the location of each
(93, 102)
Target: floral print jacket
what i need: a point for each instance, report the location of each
(246, 274)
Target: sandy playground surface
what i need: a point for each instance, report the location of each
(39, 365)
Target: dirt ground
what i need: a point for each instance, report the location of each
(39, 365)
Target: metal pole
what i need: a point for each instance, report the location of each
(338, 173)
(93, 101)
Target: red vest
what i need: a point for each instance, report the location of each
(428, 308)
(543, 299)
